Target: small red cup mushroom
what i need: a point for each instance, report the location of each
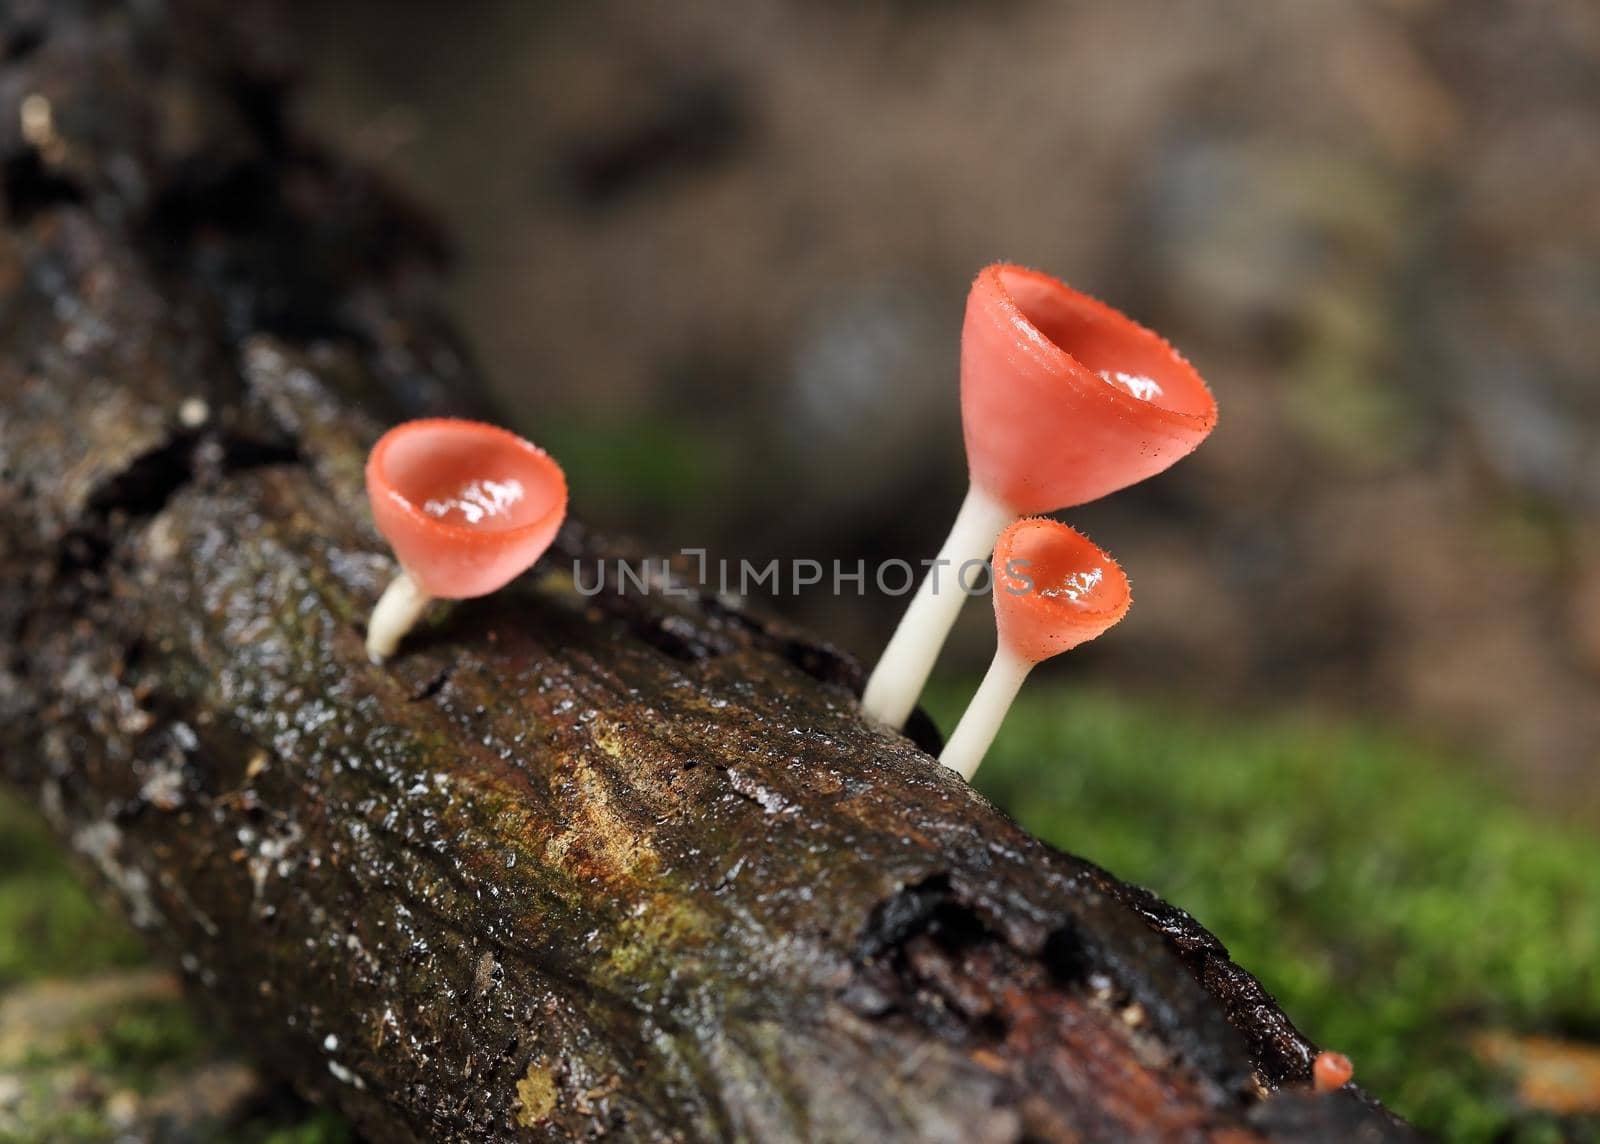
(1063, 400)
(467, 507)
(1331, 1072)
(1053, 590)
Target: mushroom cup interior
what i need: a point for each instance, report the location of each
(1124, 353)
(1070, 576)
(473, 477)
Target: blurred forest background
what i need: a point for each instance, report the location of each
(714, 257)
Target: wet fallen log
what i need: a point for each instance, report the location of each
(570, 865)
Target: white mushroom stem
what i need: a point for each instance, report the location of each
(981, 721)
(398, 610)
(901, 674)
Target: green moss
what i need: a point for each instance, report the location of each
(631, 463)
(145, 1037)
(89, 1126)
(109, 1035)
(1395, 902)
(49, 923)
(76, 1126)
(321, 1127)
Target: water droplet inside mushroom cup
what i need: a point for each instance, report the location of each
(1060, 565)
(1135, 360)
(1056, 588)
(485, 504)
(1076, 587)
(1134, 384)
(470, 479)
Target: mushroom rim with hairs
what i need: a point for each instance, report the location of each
(1048, 350)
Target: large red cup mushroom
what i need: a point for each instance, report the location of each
(1053, 590)
(467, 507)
(1063, 400)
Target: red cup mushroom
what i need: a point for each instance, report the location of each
(1053, 590)
(467, 508)
(1063, 400)
(1331, 1072)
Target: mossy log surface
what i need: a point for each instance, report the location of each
(569, 865)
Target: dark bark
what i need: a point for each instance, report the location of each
(568, 865)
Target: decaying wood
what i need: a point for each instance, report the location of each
(570, 865)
